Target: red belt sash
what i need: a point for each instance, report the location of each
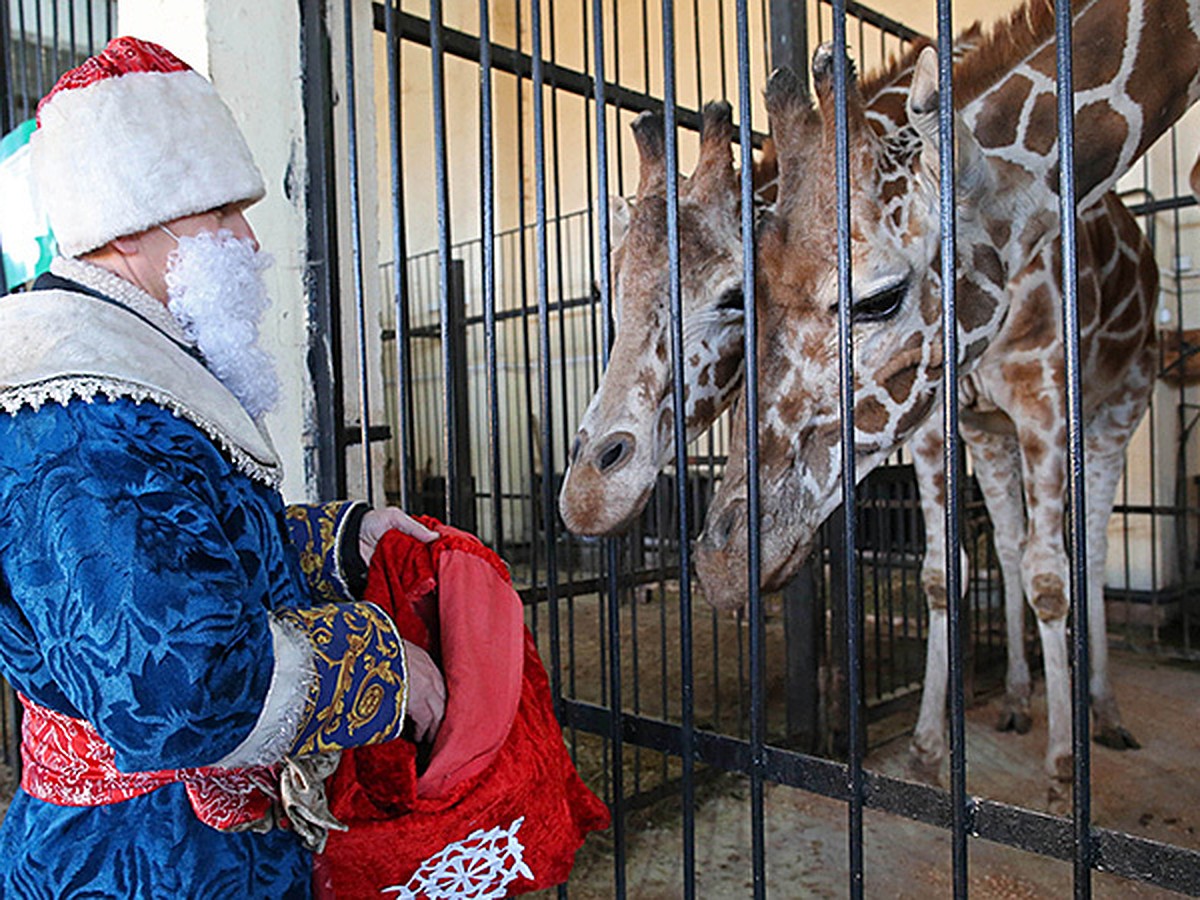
(66, 762)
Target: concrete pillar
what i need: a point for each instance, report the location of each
(254, 61)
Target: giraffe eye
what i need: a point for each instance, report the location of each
(880, 306)
(732, 300)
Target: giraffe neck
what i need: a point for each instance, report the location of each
(1136, 70)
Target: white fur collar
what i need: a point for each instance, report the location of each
(59, 345)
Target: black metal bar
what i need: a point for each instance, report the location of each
(1077, 521)
(400, 293)
(23, 59)
(39, 52)
(564, 387)
(532, 437)
(450, 440)
(950, 463)
(789, 37)
(356, 249)
(324, 353)
(8, 111)
(457, 390)
(1181, 538)
(1157, 206)
(758, 712)
(71, 33)
(488, 207)
(547, 408)
(611, 547)
(687, 686)
(846, 366)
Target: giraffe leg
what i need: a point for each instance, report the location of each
(997, 464)
(1108, 435)
(1045, 581)
(928, 747)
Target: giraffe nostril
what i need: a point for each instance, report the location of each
(614, 451)
(573, 456)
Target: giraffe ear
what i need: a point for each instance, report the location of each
(1195, 178)
(970, 164)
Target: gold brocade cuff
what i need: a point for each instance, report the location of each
(359, 694)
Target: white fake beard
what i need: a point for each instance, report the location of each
(216, 291)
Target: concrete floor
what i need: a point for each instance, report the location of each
(1153, 792)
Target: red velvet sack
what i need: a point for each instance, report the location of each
(499, 808)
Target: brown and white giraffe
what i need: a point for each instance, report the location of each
(620, 491)
(1136, 70)
(626, 435)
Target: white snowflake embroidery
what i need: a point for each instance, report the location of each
(476, 868)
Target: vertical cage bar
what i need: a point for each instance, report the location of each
(952, 470)
(356, 249)
(450, 438)
(324, 355)
(22, 59)
(543, 297)
(488, 203)
(687, 686)
(611, 546)
(849, 494)
(758, 714)
(39, 52)
(8, 113)
(1075, 463)
(400, 292)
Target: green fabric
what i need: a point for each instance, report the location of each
(26, 242)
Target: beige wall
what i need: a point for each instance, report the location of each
(253, 59)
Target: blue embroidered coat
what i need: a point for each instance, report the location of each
(153, 583)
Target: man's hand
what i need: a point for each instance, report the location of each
(426, 692)
(379, 521)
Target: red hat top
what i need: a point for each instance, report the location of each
(122, 56)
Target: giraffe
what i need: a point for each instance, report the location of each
(1136, 71)
(622, 491)
(626, 435)
(1194, 178)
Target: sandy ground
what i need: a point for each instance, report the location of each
(1153, 792)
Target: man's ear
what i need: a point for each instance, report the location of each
(128, 245)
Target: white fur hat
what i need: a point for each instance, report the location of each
(133, 138)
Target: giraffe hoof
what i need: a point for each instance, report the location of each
(1117, 738)
(1012, 720)
(925, 771)
(1059, 799)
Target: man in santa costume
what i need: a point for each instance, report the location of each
(189, 651)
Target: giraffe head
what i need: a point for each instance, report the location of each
(894, 245)
(627, 432)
